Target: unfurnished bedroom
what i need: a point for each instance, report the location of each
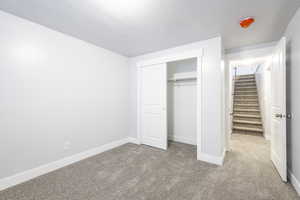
(149, 100)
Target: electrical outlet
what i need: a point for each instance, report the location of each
(67, 145)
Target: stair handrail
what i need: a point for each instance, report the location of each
(232, 100)
(234, 78)
(257, 68)
(235, 71)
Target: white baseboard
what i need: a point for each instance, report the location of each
(267, 136)
(182, 140)
(35, 172)
(133, 140)
(175, 139)
(217, 160)
(294, 181)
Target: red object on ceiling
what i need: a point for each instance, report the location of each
(245, 23)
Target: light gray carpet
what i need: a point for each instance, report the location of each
(133, 172)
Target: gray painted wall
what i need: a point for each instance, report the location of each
(58, 95)
(293, 94)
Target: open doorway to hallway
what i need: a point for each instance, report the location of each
(251, 98)
(257, 107)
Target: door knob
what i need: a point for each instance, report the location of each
(278, 115)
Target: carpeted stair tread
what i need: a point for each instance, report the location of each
(245, 88)
(245, 92)
(246, 101)
(247, 119)
(245, 107)
(249, 104)
(245, 110)
(245, 76)
(245, 96)
(245, 81)
(247, 125)
(242, 132)
(245, 84)
(247, 115)
(247, 128)
(247, 122)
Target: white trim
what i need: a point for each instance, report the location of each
(44, 169)
(139, 136)
(251, 48)
(218, 160)
(279, 166)
(182, 140)
(200, 114)
(267, 136)
(294, 181)
(133, 140)
(229, 107)
(170, 58)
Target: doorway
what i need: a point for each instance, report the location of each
(257, 105)
(182, 101)
(164, 111)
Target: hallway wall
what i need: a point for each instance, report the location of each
(263, 81)
(293, 96)
(245, 69)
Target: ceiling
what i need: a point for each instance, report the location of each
(135, 27)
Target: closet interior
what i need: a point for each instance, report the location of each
(182, 101)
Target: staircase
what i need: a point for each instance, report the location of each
(246, 112)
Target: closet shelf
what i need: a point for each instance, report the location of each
(184, 76)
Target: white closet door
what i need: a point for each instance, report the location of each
(153, 96)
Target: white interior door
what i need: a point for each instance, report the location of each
(153, 100)
(278, 123)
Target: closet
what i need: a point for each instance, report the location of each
(169, 107)
(180, 98)
(169, 100)
(182, 101)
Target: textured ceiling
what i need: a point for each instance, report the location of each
(135, 27)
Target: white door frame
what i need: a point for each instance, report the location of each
(175, 57)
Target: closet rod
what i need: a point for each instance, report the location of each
(182, 79)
